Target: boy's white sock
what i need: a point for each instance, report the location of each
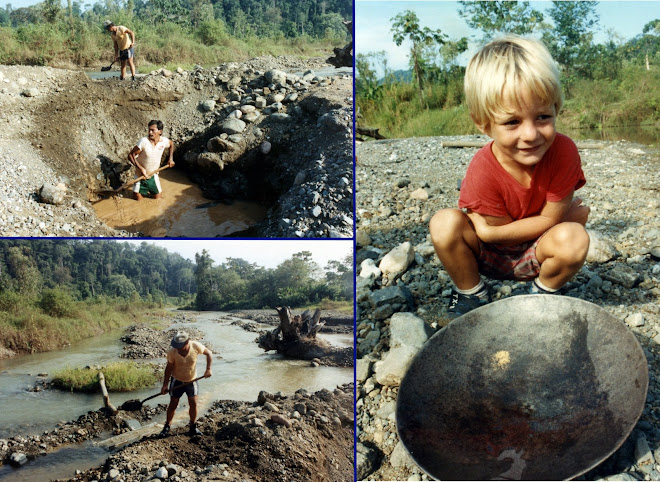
(544, 287)
(481, 290)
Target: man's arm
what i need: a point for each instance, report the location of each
(132, 158)
(170, 161)
(166, 379)
(130, 32)
(504, 230)
(209, 360)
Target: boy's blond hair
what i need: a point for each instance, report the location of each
(505, 69)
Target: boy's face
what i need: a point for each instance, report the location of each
(523, 137)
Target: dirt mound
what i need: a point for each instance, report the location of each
(303, 437)
(145, 342)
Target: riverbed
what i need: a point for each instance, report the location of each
(240, 371)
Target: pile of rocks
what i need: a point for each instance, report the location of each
(403, 291)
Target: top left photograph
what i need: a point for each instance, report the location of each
(176, 119)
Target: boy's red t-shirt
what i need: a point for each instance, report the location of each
(491, 191)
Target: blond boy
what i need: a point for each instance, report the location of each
(517, 217)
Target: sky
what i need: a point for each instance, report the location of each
(264, 253)
(373, 23)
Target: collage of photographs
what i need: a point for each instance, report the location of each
(329, 240)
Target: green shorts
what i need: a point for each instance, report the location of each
(148, 186)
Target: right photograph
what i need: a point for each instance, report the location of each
(507, 240)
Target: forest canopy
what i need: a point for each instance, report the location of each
(37, 269)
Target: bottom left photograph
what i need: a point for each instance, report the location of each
(185, 359)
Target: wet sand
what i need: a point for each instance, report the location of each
(176, 214)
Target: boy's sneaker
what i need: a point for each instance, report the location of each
(194, 430)
(165, 431)
(535, 289)
(461, 304)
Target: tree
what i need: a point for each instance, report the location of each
(571, 39)
(496, 18)
(50, 9)
(406, 25)
(119, 285)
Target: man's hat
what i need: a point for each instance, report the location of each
(107, 24)
(179, 339)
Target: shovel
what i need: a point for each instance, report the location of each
(105, 69)
(135, 404)
(130, 183)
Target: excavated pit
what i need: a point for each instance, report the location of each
(257, 152)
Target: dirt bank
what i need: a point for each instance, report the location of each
(61, 127)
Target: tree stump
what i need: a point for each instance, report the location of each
(295, 337)
(344, 56)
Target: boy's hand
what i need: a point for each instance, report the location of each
(577, 212)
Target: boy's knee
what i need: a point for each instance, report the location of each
(446, 223)
(573, 240)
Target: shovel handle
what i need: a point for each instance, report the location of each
(182, 385)
(141, 178)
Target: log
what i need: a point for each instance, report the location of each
(370, 132)
(106, 396)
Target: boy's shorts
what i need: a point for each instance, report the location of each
(517, 262)
(126, 54)
(177, 391)
(148, 186)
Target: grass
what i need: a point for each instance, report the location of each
(26, 328)
(326, 304)
(119, 377)
(398, 110)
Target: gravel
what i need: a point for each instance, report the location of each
(400, 185)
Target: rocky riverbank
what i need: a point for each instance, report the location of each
(269, 128)
(400, 185)
(305, 436)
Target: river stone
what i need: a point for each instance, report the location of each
(233, 126)
(280, 117)
(420, 194)
(643, 454)
(237, 114)
(114, 474)
(281, 419)
(271, 406)
(391, 295)
(623, 275)
(275, 98)
(207, 105)
(275, 77)
(251, 116)
(635, 320)
(391, 370)
(369, 268)
(400, 458)
(52, 194)
(601, 250)
(260, 102)
(396, 262)
(247, 108)
(406, 329)
(655, 253)
(162, 473)
(18, 458)
(31, 92)
(362, 238)
(362, 369)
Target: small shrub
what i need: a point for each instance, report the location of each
(58, 303)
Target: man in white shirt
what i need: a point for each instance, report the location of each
(146, 157)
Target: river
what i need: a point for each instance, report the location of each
(240, 370)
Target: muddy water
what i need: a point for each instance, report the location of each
(240, 370)
(176, 213)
